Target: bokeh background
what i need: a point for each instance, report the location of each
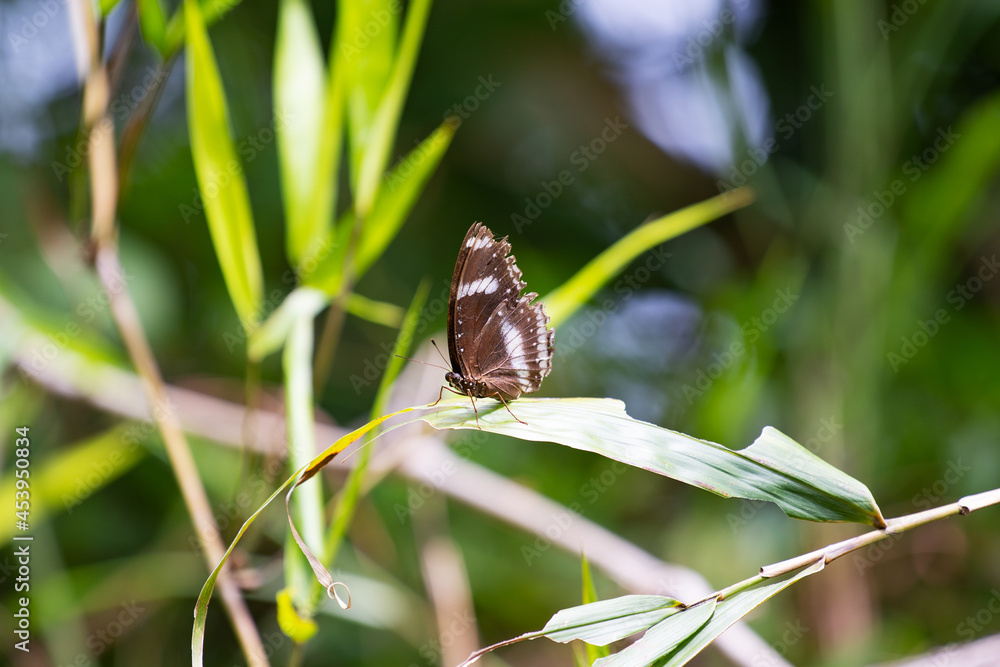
(860, 282)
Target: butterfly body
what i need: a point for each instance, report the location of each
(469, 386)
(498, 339)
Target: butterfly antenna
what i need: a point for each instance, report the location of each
(425, 363)
(445, 360)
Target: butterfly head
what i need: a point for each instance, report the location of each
(463, 384)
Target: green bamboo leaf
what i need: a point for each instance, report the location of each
(564, 301)
(365, 44)
(107, 6)
(662, 638)
(948, 193)
(220, 174)
(727, 613)
(32, 332)
(153, 24)
(601, 623)
(302, 474)
(386, 121)
(300, 82)
(211, 11)
(323, 203)
(598, 623)
(673, 633)
(590, 595)
(396, 198)
(378, 312)
(774, 468)
(589, 591)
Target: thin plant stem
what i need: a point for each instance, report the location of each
(178, 451)
(137, 122)
(99, 128)
(329, 339)
(832, 552)
(334, 323)
(829, 553)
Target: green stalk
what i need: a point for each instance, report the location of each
(307, 505)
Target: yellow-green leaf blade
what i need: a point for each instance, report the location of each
(107, 6)
(211, 11)
(300, 97)
(378, 312)
(383, 129)
(153, 24)
(565, 300)
(220, 174)
(365, 45)
(307, 506)
(323, 203)
(590, 595)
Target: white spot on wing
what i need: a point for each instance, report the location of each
(491, 285)
(512, 340)
(486, 285)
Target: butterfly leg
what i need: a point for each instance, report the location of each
(476, 410)
(500, 396)
(441, 393)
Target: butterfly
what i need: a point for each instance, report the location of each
(499, 342)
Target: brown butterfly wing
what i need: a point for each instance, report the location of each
(496, 335)
(481, 284)
(522, 347)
